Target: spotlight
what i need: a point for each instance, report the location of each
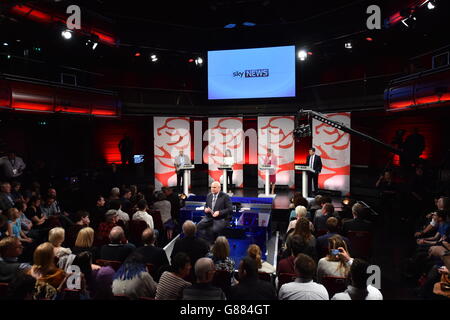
(198, 61)
(5, 44)
(302, 55)
(431, 5)
(249, 24)
(348, 45)
(153, 58)
(230, 26)
(191, 60)
(66, 34)
(92, 44)
(369, 39)
(137, 54)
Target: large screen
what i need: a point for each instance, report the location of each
(251, 73)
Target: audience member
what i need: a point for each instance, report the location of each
(303, 288)
(203, 289)
(15, 191)
(81, 221)
(15, 226)
(6, 199)
(151, 254)
(300, 212)
(105, 228)
(84, 242)
(320, 221)
(332, 229)
(142, 214)
(165, 208)
(250, 287)
(287, 265)
(357, 223)
(254, 252)
(193, 246)
(133, 280)
(303, 230)
(98, 212)
(220, 255)
(34, 213)
(119, 248)
(121, 215)
(172, 197)
(359, 289)
(13, 166)
(125, 200)
(10, 250)
(333, 265)
(172, 283)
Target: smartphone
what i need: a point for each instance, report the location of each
(335, 252)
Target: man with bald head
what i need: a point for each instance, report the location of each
(218, 209)
(118, 248)
(203, 289)
(154, 255)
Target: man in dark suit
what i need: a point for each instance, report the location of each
(315, 162)
(119, 248)
(357, 223)
(154, 255)
(218, 209)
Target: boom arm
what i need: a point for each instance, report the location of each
(318, 116)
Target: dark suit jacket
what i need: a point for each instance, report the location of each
(253, 289)
(223, 204)
(317, 165)
(357, 224)
(195, 248)
(154, 255)
(5, 204)
(116, 252)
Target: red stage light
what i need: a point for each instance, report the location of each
(191, 60)
(137, 54)
(369, 39)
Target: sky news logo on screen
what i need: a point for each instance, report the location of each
(256, 73)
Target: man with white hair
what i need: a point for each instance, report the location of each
(218, 209)
(119, 248)
(203, 289)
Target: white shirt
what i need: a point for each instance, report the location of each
(298, 290)
(374, 294)
(311, 160)
(144, 216)
(123, 216)
(228, 161)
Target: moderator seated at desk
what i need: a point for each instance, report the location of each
(218, 209)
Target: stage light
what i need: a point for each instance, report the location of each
(431, 5)
(199, 61)
(5, 44)
(191, 60)
(302, 55)
(369, 39)
(348, 45)
(137, 54)
(230, 26)
(249, 24)
(92, 44)
(66, 34)
(153, 58)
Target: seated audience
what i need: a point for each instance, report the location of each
(3, 226)
(302, 229)
(442, 203)
(254, 252)
(441, 234)
(25, 223)
(21, 287)
(303, 288)
(151, 254)
(220, 255)
(300, 212)
(320, 221)
(323, 200)
(121, 215)
(6, 199)
(174, 200)
(333, 265)
(133, 280)
(15, 227)
(193, 246)
(15, 191)
(359, 290)
(50, 208)
(85, 242)
(357, 223)
(118, 249)
(165, 208)
(287, 265)
(125, 200)
(142, 214)
(81, 221)
(250, 287)
(10, 250)
(98, 212)
(56, 237)
(33, 212)
(172, 283)
(102, 234)
(203, 289)
(48, 276)
(332, 229)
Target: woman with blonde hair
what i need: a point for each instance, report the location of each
(220, 254)
(56, 237)
(45, 272)
(334, 264)
(254, 252)
(84, 242)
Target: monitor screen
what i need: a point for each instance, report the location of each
(251, 73)
(138, 158)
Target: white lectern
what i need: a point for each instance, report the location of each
(186, 181)
(224, 169)
(267, 169)
(304, 170)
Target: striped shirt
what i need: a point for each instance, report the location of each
(170, 287)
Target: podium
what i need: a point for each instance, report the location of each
(304, 170)
(224, 169)
(267, 169)
(186, 170)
